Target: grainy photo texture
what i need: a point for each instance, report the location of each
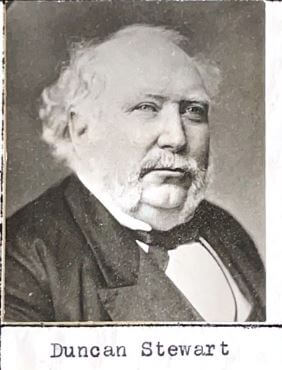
(135, 172)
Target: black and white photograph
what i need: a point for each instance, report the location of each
(135, 173)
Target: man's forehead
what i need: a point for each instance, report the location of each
(141, 52)
(157, 68)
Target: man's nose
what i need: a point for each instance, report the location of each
(172, 135)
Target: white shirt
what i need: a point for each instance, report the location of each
(195, 269)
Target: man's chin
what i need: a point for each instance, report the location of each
(166, 196)
(161, 218)
(168, 206)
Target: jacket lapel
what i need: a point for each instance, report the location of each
(133, 287)
(153, 298)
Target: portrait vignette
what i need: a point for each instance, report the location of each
(237, 153)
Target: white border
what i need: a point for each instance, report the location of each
(28, 348)
(273, 156)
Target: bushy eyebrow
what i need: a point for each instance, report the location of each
(156, 97)
(202, 102)
(203, 99)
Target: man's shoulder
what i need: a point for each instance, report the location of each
(219, 226)
(212, 215)
(43, 212)
(214, 210)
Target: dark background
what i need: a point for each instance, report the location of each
(230, 33)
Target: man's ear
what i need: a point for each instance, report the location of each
(77, 127)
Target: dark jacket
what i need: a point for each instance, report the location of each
(68, 259)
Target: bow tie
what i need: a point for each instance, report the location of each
(170, 239)
(160, 242)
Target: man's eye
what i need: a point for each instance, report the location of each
(146, 107)
(194, 111)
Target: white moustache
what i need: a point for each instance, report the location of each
(170, 161)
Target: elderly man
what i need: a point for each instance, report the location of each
(128, 236)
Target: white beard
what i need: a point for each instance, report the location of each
(128, 196)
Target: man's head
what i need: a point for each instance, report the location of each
(131, 115)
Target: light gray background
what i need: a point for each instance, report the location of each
(231, 34)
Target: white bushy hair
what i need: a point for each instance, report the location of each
(77, 80)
